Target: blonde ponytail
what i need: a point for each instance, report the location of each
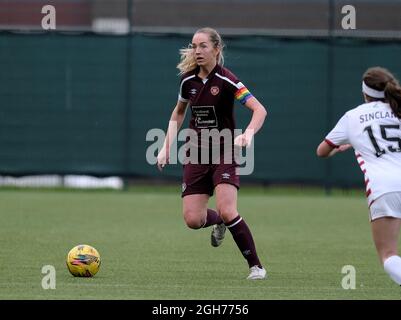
(188, 61)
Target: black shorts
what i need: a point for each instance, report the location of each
(203, 178)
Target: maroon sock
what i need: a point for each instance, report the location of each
(212, 218)
(244, 240)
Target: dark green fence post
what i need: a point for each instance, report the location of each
(329, 95)
(128, 88)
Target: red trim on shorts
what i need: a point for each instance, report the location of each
(368, 192)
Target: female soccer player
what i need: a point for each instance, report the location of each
(209, 90)
(373, 130)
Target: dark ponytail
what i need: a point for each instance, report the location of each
(381, 79)
(392, 91)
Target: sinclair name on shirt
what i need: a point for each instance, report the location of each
(375, 115)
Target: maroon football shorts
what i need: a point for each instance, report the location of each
(203, 178)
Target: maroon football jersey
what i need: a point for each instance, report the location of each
(212, 99)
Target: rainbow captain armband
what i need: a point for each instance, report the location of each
(243, 94)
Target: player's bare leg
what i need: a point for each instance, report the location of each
(196, 213)
(195, 210)
(385, 233)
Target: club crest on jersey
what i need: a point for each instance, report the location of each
(214, 90)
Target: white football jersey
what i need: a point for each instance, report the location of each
(375, 133)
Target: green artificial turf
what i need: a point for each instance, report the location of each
(147, 251)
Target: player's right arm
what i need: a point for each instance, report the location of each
(174, 125)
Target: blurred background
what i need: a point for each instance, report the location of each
(78, 100)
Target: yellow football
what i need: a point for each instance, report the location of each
(83, 261)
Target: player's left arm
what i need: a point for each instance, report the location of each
(259, 114)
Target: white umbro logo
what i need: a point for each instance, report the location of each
(226, 175)
(192, 91)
